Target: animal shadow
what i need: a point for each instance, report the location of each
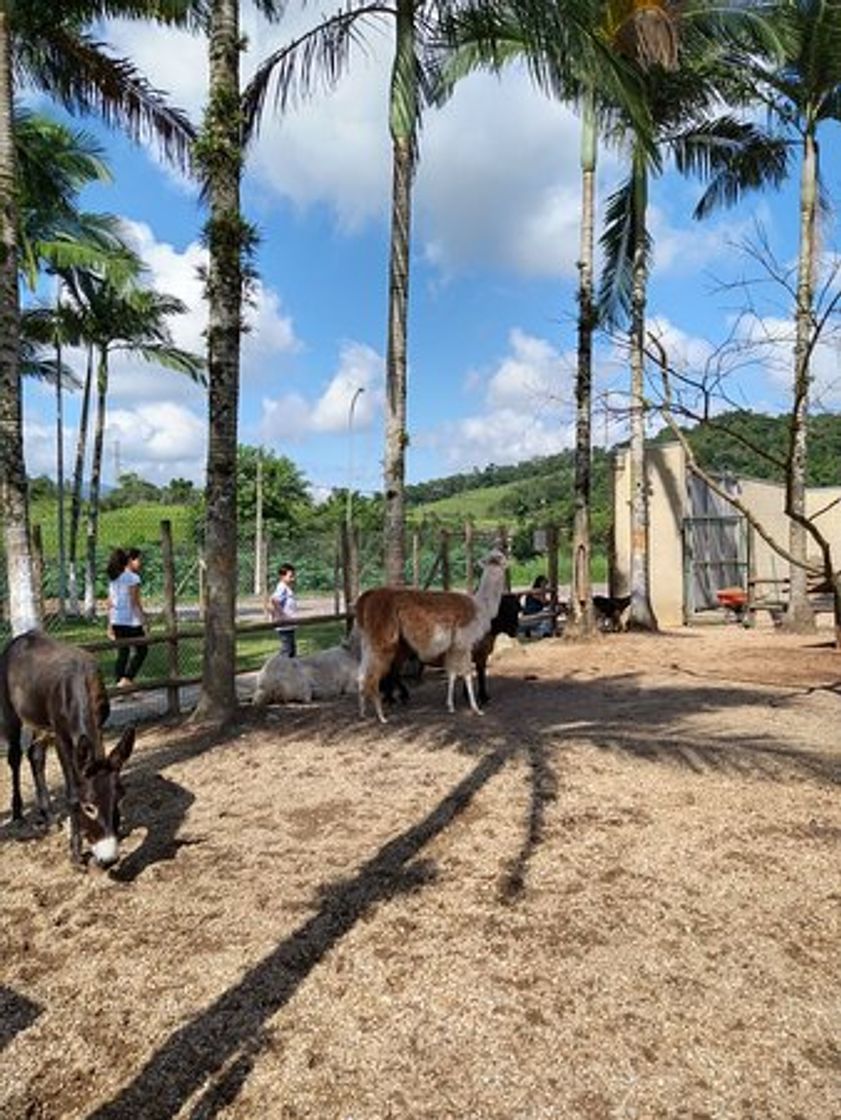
(160, 805)
(16, 1014)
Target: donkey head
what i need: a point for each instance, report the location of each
(100, 792)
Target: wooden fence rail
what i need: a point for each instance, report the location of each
(174, 636)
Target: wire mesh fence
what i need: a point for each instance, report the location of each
(74, 595)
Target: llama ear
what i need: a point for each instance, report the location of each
(120, 754)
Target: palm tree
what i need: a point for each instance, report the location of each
(322, 55)
(579, 53)
(49, 48)
(121, 317)
(799, 84)
(54, 163)
(230, 241)
(738, 156)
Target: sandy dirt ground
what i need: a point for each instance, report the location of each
(616, 895)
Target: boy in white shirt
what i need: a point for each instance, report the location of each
(284, 608)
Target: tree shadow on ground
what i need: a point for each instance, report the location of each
(207, 1061)
(221, 1043)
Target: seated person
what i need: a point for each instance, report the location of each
(536, 601)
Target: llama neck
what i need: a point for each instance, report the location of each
(489, 593)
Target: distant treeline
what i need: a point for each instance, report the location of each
(745, 443)
(752, 445)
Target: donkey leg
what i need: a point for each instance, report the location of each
(14, 732)
(37, 761)
(65, 754)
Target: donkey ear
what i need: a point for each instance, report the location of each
(123, 749)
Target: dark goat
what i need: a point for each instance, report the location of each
(610, 610)
(57, 690)
(504, 622)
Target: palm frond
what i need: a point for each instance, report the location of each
(76, 69)
(171, 357)
(316, 59)
(618, 241)
(733, 157)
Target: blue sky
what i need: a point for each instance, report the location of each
(495, 241)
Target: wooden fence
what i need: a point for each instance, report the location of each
(174, 634)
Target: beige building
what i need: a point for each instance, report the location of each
(698, 542)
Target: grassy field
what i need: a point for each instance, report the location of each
(131, 527)
(475, 504)
(252, 649)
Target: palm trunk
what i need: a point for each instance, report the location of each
(59, 470)
(800, 617)
(225, 233)
(581, 621)
(641, 615)
(402, 119)
(96, 483)
(76, 496)
(14, 506)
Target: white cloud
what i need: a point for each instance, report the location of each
(771, 341)
(530, 378)
(159, 439)
(523, 409)
(685, 352)
(292, 416)
(271, 333)
(499, 179)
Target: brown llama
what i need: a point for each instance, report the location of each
(433, 624)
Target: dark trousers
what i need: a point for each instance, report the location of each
(288, 644)
(129, 658)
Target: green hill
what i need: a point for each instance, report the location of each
(127, 527)
(753, 445)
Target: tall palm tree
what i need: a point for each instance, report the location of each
(122, 317)
(322, 55)
(49, 47)
(681, 109)
(54, 163)
(230, 241)
(799, 84)
(577, 52)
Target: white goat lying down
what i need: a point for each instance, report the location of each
(318, 676)
(434, 624)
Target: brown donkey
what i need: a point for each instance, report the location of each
(57, 690)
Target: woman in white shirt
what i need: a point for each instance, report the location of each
(125, 612)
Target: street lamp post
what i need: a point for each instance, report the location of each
(349, 508)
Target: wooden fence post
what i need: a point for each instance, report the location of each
(415, 559)
(468, 557)
(202, 588)
(503, 544)
(337, 574)
(38, 568)
(552, 568)
(173, 700)
(445, 559)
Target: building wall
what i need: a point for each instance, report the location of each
(666, 476)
